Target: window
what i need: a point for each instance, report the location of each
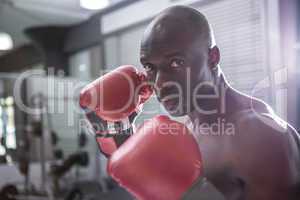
(7, 124)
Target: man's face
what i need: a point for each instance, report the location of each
(176, 65)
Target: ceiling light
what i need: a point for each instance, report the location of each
(6, 42)
(94, 4)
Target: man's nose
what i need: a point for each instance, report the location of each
(163, 85)
(160, 79)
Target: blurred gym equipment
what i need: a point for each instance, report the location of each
(40, 166)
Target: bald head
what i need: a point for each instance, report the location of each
(177, 54)
(178, 24)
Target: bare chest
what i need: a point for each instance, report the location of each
(215, 151)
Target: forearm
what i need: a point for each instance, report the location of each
(108, 143)
(110, 135)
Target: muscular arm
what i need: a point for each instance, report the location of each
(264, 158)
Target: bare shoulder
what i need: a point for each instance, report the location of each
(259, 121)
(266, 149)
(264, 125)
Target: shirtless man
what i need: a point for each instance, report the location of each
(260, 159)
(253, 156)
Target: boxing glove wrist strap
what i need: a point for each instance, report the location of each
(103, 128)
(115, 128)
(204, 190)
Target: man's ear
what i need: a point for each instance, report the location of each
(213, 56)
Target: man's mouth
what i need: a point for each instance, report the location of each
(169, 104)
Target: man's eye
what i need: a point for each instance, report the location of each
(177, 63)
(148, 67)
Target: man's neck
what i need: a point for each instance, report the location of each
(209, 110)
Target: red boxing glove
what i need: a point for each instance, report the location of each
(111, 103)
(117, 94)
(159, 162)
